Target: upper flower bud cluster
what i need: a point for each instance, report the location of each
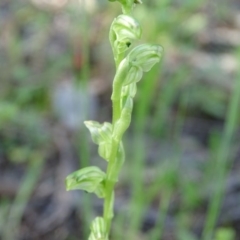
(124, 30)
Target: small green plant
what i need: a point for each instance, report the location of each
(108, 136)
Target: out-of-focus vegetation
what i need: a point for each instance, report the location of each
(181, 180)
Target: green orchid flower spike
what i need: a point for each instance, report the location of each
(131, 63)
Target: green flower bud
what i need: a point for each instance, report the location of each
(145, 56)
(134, 75)
(99, 132)
(101, 135)
(127, 74)
(126, 26)
(129, 90)
(89, 179)
(123, 31)
(141, 59)
(104, 150)
(98, 229)
(106, 131)
(126, 112)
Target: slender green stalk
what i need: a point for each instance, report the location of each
(130, 67)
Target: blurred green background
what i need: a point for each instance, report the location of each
(181, 178)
